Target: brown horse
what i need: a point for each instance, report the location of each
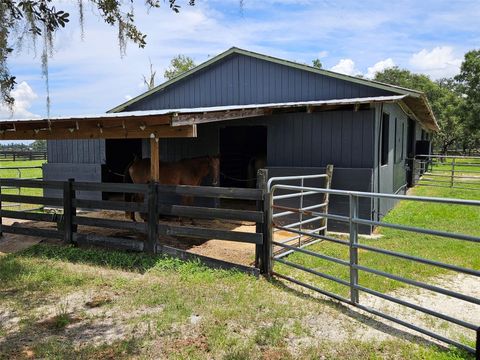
(183, 172)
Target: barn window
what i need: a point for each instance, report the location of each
(385, 133)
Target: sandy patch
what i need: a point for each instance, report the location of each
(343, 322)
(12, 243)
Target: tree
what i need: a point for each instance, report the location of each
(21, 20)
(179, 64)
(469, 86)
(317, 63)
(39, 145)
(150, 82)
(447, 104)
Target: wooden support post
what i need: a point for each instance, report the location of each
(263, 252)
(326, 196)
(152, 236)
(68, 211)
(154, 160)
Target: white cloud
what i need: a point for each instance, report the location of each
(322, 54)
(90, 77)
(128, 97)
(24, 97)
(439, 62)
(346, 66)
(379, 67)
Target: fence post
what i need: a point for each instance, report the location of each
(453, 172)
(353, 200)
(152, 236)
(477, 347)
(69, 211)
(1, 233)
(326, 197)
(263, 253)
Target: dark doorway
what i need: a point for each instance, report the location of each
(410, 153)
(242, 149)
(119, 153)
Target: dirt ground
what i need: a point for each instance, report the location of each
(11, 243)
(231, 251)
(236, 252)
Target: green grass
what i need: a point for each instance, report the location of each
(452, 218)
(21, 174)
(241, 317)
(442, 171)
(24, 173)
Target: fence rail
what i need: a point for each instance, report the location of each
(17, 187)
(448, 171)
(313, 224)
(22, 155)
(152, 206)
(356, 267)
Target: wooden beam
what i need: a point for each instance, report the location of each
(154, 160)
(190, 119)
(129, 121)
(99, 131)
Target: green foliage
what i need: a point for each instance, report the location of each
(39, 145)
(43, 19)
(447, 104)
(469, 86)
(317, 63)
(178, 65)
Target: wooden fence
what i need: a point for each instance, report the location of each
(11, 155)
(152, 206)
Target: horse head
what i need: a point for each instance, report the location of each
(214, 165)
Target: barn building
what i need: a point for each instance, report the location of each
(315, 117)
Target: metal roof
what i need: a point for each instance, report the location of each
(210, 109)
(178, 122)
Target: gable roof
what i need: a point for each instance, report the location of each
(417, 98)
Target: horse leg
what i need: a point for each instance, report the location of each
(188, 201)
(129, 214)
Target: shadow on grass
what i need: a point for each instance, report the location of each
(35, 341)
(369, 321)
(113, 259)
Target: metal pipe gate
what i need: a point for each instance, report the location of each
(354, 264)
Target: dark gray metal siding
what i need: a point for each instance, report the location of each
(342, 138)
(79, 172)
(339, 205)
(76, 151)
(240, 79)
(390, 178)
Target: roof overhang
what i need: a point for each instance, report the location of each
(170, 123)
(418, 108)
(132, 125)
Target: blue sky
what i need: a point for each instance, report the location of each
(354, 37)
